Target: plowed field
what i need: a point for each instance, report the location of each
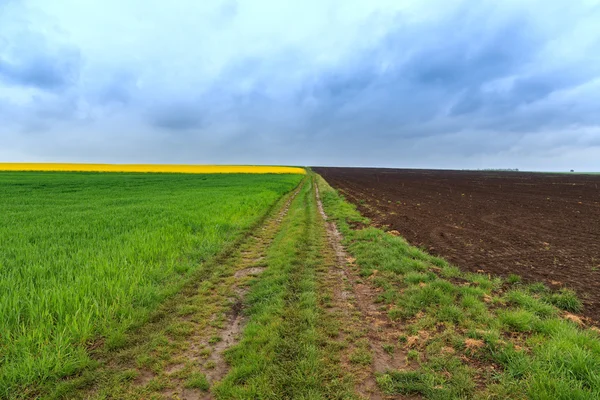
(543, 227)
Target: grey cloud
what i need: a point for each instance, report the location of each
(34, 63)
(115, 88)
(178, 116)
(440, 72)
(489, 80)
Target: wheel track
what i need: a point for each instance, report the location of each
(250, 266)
(357, 296)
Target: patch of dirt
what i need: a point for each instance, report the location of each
(474, 344)
(144, 376)
(541, 226)
(174, 368)
(353, 295)
(191, 394)
(229, 336)
(248, 271)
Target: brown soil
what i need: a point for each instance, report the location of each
(543, 227)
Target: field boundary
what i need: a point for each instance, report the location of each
(372, 337)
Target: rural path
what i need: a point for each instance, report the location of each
(183, 353)
(368, 328)
(205, 349)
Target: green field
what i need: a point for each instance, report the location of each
(167, 286)
(90, 255)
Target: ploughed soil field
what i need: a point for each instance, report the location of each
(543, 227)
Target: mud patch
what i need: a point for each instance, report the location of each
(248, 272)
(230, 335)
(144, 377)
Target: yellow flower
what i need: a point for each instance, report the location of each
(173, 168)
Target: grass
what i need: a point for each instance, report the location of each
(565, 299)
(284, 352)
(471, 335)
(89, 255)
(197, 381)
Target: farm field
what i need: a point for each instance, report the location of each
(178, 286)
(88, 255)
(172, 168)
(543, 227)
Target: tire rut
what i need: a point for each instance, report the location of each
(354, 299)
(230, 335)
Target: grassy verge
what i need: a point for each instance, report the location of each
(284, 352)
(472, 335)
(89, 256)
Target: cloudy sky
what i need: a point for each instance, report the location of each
(404, 83)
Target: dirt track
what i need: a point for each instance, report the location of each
(540, 226)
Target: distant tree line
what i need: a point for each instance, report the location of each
(499, 169)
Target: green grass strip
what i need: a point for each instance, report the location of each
(280, 355)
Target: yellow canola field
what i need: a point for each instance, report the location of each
(184, 169)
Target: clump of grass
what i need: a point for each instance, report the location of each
(180, 329)
(128, 375)
(197, 380)
(449, 271)
(115, 340)
(484, 282)
(519, 320)
(361, 356)
(403, 382)
(513, 279)
(516, 362)
(388, 348)
(450, 313)
(523, 299)
(214, 339)
(414, 277)
(412, 355)
(565, 299)
(537, 287)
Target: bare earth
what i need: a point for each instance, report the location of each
(543, 227)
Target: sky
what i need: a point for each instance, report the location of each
(394, 83)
